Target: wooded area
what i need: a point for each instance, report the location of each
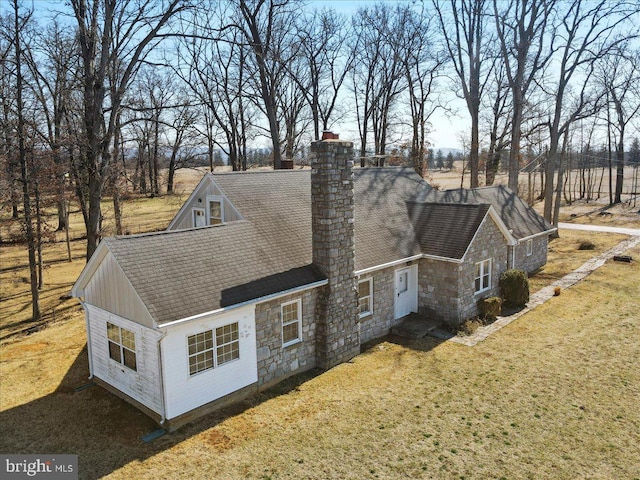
(101, 97)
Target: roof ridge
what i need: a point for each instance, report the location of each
(255, 172)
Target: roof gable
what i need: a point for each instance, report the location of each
(446, 229)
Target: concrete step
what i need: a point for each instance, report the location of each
(415, 325)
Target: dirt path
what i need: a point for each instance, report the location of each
(600, 228)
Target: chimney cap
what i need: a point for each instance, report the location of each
(328, 135)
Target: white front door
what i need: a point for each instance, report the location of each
(406, 291)
(199, 219)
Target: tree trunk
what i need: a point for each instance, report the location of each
(24, 171)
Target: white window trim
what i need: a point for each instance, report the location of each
(120, 344)
(483, 273)
(298, 321)
(529, 245)
(214, 198)
(370, 311)
(213, 349)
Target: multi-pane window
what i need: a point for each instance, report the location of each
(483, 276)
(227, 343)
(204, 353)
(200, 352)
(529, 247)
(215, 212)
(365, 297)
(291, 321)
(122, 346)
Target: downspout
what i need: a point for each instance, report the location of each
(163, 412)
(88, 324)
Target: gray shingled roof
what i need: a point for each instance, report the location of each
(446, 229)
(183, 273)
(519, 217)
(178, 274)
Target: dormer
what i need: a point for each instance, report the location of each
(207, 205)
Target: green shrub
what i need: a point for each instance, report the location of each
(514, 286)
(490, 308)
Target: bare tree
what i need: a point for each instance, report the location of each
(264, 25)
(19, 25)
(217, 74)
(322, 40)
(499, 122)
(585, 34)
(423, 63)
(620, 76)
(467, 36)
(379, 74)
(522, 32)
(53, 69)
(127, 30)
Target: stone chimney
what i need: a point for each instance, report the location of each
(332, 212)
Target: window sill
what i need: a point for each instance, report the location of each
(291, 343)
(365, 315)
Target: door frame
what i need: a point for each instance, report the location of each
(409, 298)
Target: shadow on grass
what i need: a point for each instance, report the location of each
(103, 430)
(423, 344)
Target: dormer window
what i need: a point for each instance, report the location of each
(215, 212)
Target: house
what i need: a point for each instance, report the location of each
(262, 275)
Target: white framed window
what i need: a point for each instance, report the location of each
(227, 344)
(529, 247)
(215, 212)
(210, 349)
(291, 315)
(199, 217)
(122, 346)
(365, 297)
(483, 276)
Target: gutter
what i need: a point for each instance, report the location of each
(86, 319)
(163, 393)
(546, 232)
(364, 271)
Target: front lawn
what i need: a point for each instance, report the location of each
(553, 395)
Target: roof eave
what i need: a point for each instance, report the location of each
(264, 298)
(89, 269)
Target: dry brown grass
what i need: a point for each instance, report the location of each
(139, 215)
(565, 256)
(553, 395)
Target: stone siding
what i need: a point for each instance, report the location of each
(446, 290)
(381, 320)
(332, 224)
(438, 289)
(538, 257)
(488, 243)
(276, 362)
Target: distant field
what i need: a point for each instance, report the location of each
(553, 395)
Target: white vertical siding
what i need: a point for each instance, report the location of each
(184, 218)
(144, 384)
(185, 392)
(110, 290)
